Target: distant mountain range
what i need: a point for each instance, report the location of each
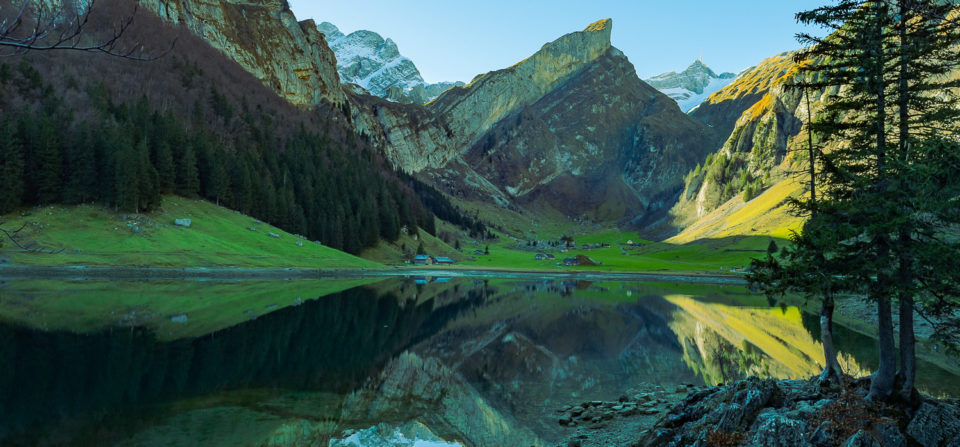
(692, 86)
(366, 59)
(569, 134)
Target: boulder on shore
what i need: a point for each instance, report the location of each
(801, 413)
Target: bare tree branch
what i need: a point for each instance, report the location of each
(60, 29)
(11, 234)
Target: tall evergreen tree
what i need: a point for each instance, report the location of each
(11, 169)
(188, 177)
(163, 161)
(81, 174)
(48, 158)
(148, 193)
(127, 184)
(928, 48)
(876, 217)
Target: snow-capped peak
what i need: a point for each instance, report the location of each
(366, 59)
(691, 86)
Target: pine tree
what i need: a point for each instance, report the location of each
(148, 193)
(188, 177)
(127, 184)
(11, 169)
(875, 218)
(48, 159)
(81, 181)
(926, 108)
(221, 183)
(163, 161)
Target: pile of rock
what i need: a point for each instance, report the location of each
(797, 413)
(598, 411)
(605, 423)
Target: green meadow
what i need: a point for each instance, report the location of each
(728, 255)
(217, 238)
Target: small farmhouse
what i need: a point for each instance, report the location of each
(423, 260)
(443, 260)
(581, 260)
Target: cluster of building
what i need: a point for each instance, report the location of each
(432, 260)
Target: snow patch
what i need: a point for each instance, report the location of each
(374, 437)
(692, 86)
(688, 99)
(367, 59)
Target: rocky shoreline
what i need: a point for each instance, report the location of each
(765, 413)
(605, 423)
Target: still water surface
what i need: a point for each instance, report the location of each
(301, 362)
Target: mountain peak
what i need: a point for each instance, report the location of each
(698, 65)
(331, 31)
(374, 63)
(691, 86)
(600, 26)
(581, 46)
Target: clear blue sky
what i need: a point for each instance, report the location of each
(455, 41)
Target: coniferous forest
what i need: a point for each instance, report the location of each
(74, 141)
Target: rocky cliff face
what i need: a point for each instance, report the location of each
(475, 108)
(764, 119)
(412, 137)
(264, 37)
(573, 127)
(722, 110)
(692, 86)
(602, 141)
(294, 59)
(374, 63)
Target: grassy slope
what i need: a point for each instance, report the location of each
(392, 253)
(766, 215)
(218, 238)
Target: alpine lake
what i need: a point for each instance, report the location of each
(404, 361)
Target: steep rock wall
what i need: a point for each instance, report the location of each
(602, 142)
(264, 37)
(473, 109)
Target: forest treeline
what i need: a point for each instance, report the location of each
(327, 184)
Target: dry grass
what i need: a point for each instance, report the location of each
(850, 413)
(768, 214)
(719, 438)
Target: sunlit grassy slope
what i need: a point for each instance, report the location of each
(172, 309)
(217, 238)
(766, 215)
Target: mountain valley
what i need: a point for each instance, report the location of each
(569, 135)
(224, 224)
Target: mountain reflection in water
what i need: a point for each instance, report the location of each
(486, 362)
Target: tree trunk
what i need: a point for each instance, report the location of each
(908, 357)
(881, 387)
(908, 360)
(831, 368)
